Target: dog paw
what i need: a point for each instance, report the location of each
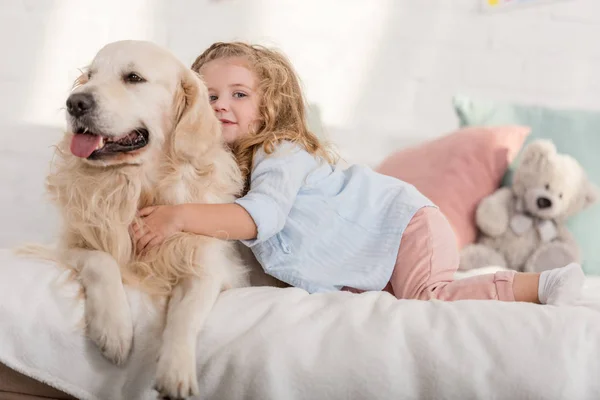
(176, 375)
(110, 326)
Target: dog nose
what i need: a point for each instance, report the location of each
(79, 104)
(544, 202)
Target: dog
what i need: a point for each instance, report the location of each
(141, 132)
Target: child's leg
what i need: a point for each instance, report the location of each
(428, 258)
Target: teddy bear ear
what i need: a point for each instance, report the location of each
(537, 149)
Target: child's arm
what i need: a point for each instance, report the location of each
(274, 185)
(263, 211)
(254, 218)
(225, 221)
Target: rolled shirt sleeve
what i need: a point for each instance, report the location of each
(275, 182)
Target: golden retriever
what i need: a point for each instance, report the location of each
(141, 132)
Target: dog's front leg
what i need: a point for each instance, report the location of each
(189, 306)
(107, 314)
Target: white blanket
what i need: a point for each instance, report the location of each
(270, 343)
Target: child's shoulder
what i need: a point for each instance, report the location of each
(285, 151)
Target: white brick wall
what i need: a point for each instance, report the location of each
(382, 71)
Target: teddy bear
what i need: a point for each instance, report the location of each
(523, 227)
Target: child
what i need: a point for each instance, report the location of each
(322, 228)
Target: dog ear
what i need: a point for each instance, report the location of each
(196, 126)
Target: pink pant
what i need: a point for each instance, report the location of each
(427, 260)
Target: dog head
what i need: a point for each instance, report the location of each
(134, 97)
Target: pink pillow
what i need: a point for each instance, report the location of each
(458, 170)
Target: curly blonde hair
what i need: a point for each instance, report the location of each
(282, 107)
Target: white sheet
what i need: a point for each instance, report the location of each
(269, 343)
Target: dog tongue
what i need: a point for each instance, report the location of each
(82, 145)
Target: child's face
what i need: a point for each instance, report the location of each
(232, 91)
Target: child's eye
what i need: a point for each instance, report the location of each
(212, 98)
(239, 95)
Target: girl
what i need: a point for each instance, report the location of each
(322, 228)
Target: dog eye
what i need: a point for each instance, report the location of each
(132, 77)
(547, 186)
(89, 75)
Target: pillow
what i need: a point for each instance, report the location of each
(458, 170)
(575, 132)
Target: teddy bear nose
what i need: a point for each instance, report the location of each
(544, 202)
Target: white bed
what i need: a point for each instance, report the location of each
(273, 343)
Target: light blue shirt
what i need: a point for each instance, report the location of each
(321, 228)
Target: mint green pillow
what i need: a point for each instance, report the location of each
(575, 132)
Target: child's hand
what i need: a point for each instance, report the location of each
(158, 223)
